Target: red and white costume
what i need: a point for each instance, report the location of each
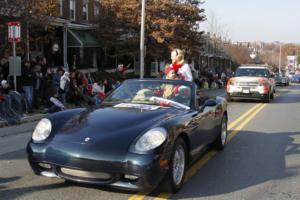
(184, 71)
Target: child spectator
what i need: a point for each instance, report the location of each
(64, 86)
(55, 105)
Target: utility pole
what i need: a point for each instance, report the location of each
(279, 67)
(142, 42)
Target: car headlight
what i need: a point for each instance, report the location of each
(151, 139)
(42, 130)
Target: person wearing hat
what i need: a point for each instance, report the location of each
(181, 68)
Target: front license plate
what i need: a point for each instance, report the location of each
(246, 91)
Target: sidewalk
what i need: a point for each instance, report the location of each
(27, 118)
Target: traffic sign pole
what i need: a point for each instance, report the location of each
(14, 36)
(14, 56)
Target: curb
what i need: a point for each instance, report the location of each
(25, 119)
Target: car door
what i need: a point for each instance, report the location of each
(203, 123)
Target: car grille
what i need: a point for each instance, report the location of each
(85, 174)
(248, 84)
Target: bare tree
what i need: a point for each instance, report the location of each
(216, 27)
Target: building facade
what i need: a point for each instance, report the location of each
(67, 36)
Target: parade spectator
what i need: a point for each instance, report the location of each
(6, 99)
(56, 78)
(4, 66)
(55, 104)
(107, 86)
(64, 86)
(75, 93)
(37, 87)
(48, 87)
(98, 92)
(44, 65)
(90, 80)
(28, 82)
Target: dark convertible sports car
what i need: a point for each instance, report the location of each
(145, 132)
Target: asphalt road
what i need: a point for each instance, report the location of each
(261, 160)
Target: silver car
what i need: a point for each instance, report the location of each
(281, 79)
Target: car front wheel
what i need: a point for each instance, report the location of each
(177, 166)
(220, 142)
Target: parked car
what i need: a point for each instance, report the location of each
(145, 130)
(290, 75)
(281, 79)
(296, 78)
(251, 82)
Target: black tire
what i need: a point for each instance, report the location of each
(170, 183)
(266, 98)
(219, 143)
(272, 96)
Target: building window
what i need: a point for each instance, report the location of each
(96, 11)
(59, 4)
(72, 9)
(85, 10)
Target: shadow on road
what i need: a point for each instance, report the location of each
(253, 159)
(16, 193)
(10, 179)
(15, 155)
(250, 159)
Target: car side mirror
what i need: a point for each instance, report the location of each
(208, 103)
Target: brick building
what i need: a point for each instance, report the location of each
(75, 22)
(66, 39)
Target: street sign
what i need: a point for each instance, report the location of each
(14, 36)
(15, 66)
(14, 31)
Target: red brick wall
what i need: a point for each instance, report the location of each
(66, 9)
(78, 8)
(79, 4)
(91, 10)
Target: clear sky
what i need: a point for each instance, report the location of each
(257, 20)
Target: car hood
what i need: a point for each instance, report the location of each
(248, 79)
(110, 130)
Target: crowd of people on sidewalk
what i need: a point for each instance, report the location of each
(47, 89)
(51, 89)
(209, 79)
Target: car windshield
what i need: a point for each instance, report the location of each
(261, 72)
(151, 92)
(278, 75)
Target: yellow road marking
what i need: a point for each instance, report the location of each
(162, 196)
(193, 170)
(138, 196)
(244, 123)
(235, 122)
(208, 156)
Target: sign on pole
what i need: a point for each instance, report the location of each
(14, 36)
(15, 66)
(14, 31)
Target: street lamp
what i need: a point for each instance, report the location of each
(253, 55)
(142, 42)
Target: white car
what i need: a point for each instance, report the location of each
(251, 82)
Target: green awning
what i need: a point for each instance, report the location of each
(82, 38)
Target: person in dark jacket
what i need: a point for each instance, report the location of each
(28, 82)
